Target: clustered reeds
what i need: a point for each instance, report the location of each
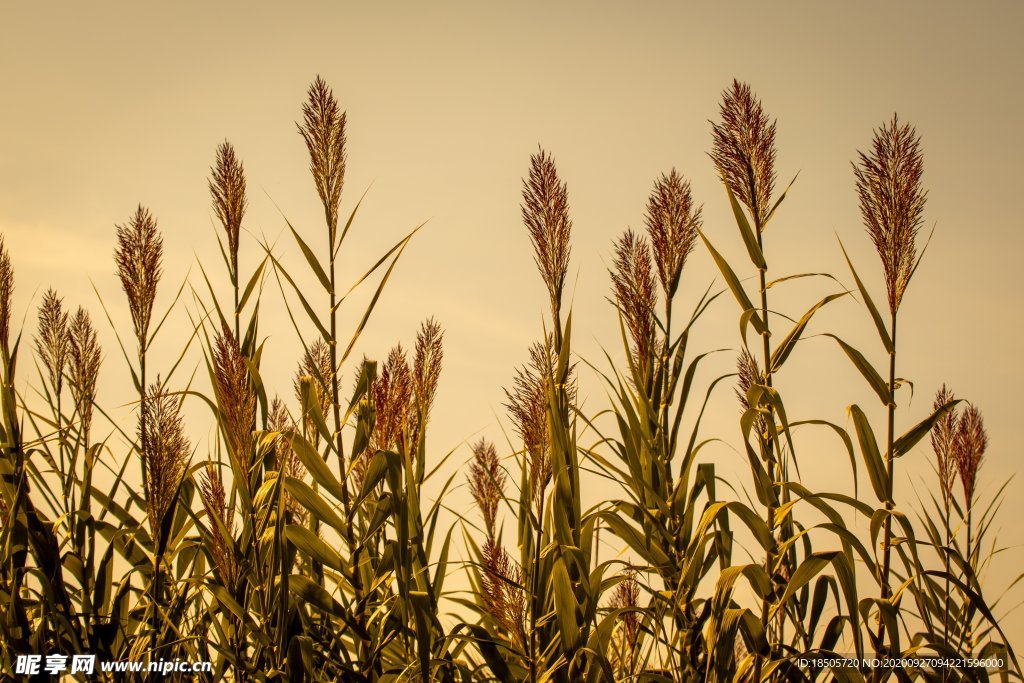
(289, 568)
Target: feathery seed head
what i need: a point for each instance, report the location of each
(6, 294)
(235, 396)
(944, 441)
(744, 150)
(165, 454)
(83, 367)
(323, 129)
(971, 443)
(627, 597)
(279, 421)
(528, 409)
(227, 189)
(52, 342)
(672, 223)
(545, 211)
(487, 483)
(211, 490)
(892, 202)
(138, 256)
(748, 375)
(635, 296)
(502, 597)
(427, 362)
(392, 393)
(316, 364)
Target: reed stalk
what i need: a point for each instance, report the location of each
(892, 203)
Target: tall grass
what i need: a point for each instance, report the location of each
(300, 544)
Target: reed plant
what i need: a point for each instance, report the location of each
(309, 538)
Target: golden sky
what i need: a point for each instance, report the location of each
(106, 105)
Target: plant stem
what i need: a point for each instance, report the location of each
(534, 583)
(769, 452)
(889, 503)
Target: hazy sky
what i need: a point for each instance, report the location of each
(108, 105)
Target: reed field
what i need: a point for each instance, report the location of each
(313, 536)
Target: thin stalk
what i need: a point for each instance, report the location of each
(357, 583)
(769, 451)
(968, 635)
(534, 585)
(889, 503)
(237, 312)
(945, 564)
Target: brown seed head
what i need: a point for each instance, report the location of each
(635, 296)
(166, 454)
(427, 365)
(744, 150)
(138, 256)
(52, 342)
(84, 367)
(487, 483)
(227, 189)
(749, 374)
(392, 393)
(235, 396)
(323, 129)
(528, 409)
(892, 202)
(502, 597)
(944, 441)
(316, 363)
(280, 421)
(545, 212)
(627, 597)
(971, 443)
(211, 490)
(672, 223)
(6, 294)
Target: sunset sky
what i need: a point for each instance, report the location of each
(109, 105)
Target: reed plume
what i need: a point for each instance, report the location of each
(392, 394)
(545, 211)
(626, 636)
(527, 406)
(165, 457)
(672, 222)
(635, 296)
(323, 129)
(744, 150)
(235, 396)
(215, 502)
(748, 374)
(503, 598)
(284, 456)
(6, 295)
(487, 483)
(943, 439)
(138, 257)
(892, 202)
(52, 341)
(428, 358)
(227, 190)
(316, 364)
(970, 445)
(83, 367)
